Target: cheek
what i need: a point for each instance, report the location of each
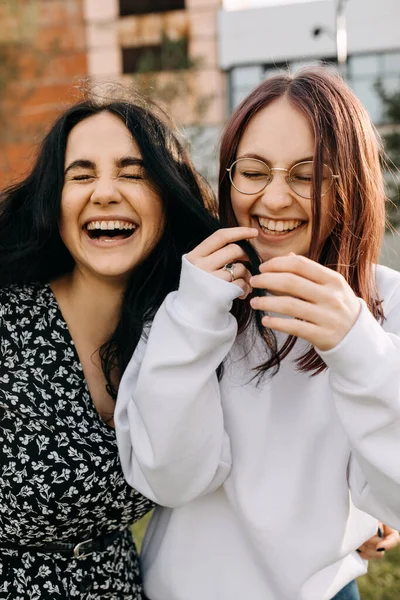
(69, 215)
(152, 216)
(240, 206)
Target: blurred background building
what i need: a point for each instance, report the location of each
(254, 43)
(197, 57)
(168, 47)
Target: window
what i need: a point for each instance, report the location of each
(364, 71)
(142, 7)
(243, 80)
(170, 55)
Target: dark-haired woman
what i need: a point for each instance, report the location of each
(303, 427)
(90, 245)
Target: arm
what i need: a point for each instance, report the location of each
(364, 367)
(168, 418)
(365, 380)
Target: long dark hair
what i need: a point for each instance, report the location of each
(343, 130)
(31, 248)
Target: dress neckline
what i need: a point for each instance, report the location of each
(71, 342)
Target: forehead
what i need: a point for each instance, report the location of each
(100, 135)
(280, 133)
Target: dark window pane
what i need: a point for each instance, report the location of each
(168, 56)
(140, 7)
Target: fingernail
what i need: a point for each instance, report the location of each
(380, 532)
(380, 549)
(359, 551)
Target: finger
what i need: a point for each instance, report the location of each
(222, 238)
(288, 283)
(371, 555)
(287, 305)
(307, 331)
(227, 255)
(389, 542)
(372, 542)
(301, 265)
(239, 272)
(247, 289)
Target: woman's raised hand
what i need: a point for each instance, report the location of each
(385, 539)
(322, 305)
(219, 251)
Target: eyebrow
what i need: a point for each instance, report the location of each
(80, 163)
(264, 160)
(129, 161)
(126, 161)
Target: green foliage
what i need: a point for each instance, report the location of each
(171, 55)
(138, 530)
(164, 74)
(383, 579)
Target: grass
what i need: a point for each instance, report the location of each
(383, 579)
(138, 530)
(381, 583)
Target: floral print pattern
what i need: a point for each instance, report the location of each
(60, 476)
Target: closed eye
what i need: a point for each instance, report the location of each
(305, 178)
(253, 174)
(82, 177)
(135, 177)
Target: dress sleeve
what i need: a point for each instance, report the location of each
(365, 380)
(169, 421)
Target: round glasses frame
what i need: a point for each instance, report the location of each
(269, 175)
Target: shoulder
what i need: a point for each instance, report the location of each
(20, 298)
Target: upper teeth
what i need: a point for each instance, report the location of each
(278, 225)
(110, 225)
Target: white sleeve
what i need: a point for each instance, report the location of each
(365, 380)
(168, 418)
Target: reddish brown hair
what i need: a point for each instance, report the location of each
(345, 137)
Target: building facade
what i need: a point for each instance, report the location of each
(166, 48)
(253, 43)
(44, 48)
(169, 48)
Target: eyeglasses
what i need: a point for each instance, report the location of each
(251, 176)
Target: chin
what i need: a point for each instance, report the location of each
(112, 275)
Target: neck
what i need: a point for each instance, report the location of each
(89, 303)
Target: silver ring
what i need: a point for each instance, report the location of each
(230, 268)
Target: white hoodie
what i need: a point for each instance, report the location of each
(258, 477)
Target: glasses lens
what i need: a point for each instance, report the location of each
(249, 175)
(300, 179)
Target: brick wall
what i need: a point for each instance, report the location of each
(52, 61)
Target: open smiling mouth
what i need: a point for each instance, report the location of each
(279, 227)
(110, 230)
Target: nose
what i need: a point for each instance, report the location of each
(106, 192)
(278, 194)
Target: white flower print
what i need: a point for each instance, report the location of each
(60, 476)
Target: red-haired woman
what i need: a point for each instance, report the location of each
(276, 465)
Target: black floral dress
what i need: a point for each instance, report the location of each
(60, 476)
